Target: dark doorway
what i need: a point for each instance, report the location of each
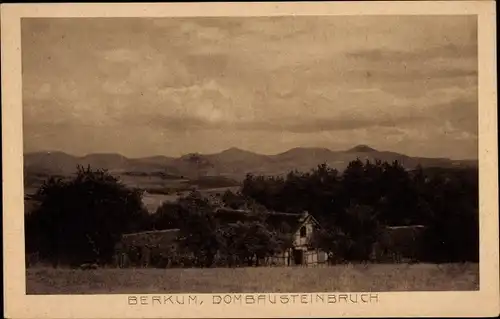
(298, 256)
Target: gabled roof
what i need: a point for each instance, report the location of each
(285, 222)
(308, 218)
(293, 221)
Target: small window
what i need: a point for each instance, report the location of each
(303, 231)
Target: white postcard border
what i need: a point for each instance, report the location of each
(484, 302)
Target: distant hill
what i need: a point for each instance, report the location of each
(361, 149)
(62, 163)
(49, 162)
(233, 163)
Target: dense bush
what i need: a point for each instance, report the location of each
(80, 220)
(167, 216)
(249, 242)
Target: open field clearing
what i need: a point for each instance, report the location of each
(345, 278)
(220, 190)
(153, 201)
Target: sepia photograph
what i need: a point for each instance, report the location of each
(261, 159)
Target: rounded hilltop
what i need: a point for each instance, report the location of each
(361, 148)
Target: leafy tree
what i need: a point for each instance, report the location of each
(265, 190)
(232, 200)
(362, 227)
(167, 216)
(353, 238)
(453, 233)
(240, 201)
(198, 228)
(334, 241)
(251, 241)
(81, 219)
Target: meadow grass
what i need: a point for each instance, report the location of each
(345, 278)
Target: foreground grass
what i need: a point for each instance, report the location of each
(345, 278)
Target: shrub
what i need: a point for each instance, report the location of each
(80, 220)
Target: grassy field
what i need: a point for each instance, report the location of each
(345, 278)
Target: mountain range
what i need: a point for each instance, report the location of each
(234, 162)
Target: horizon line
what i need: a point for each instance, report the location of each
(370, 150)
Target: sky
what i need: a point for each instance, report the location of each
(171, 86)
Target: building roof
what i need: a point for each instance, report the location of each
(285, 222)
(154, 238)
(402, 235)
(404, 241)
(395, 228)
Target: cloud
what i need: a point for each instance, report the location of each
(215, 121)
(121, 55)
(333, 124)
(272, 80)
(447, 51)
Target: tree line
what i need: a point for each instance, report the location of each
(80, 220)
(367, 196)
